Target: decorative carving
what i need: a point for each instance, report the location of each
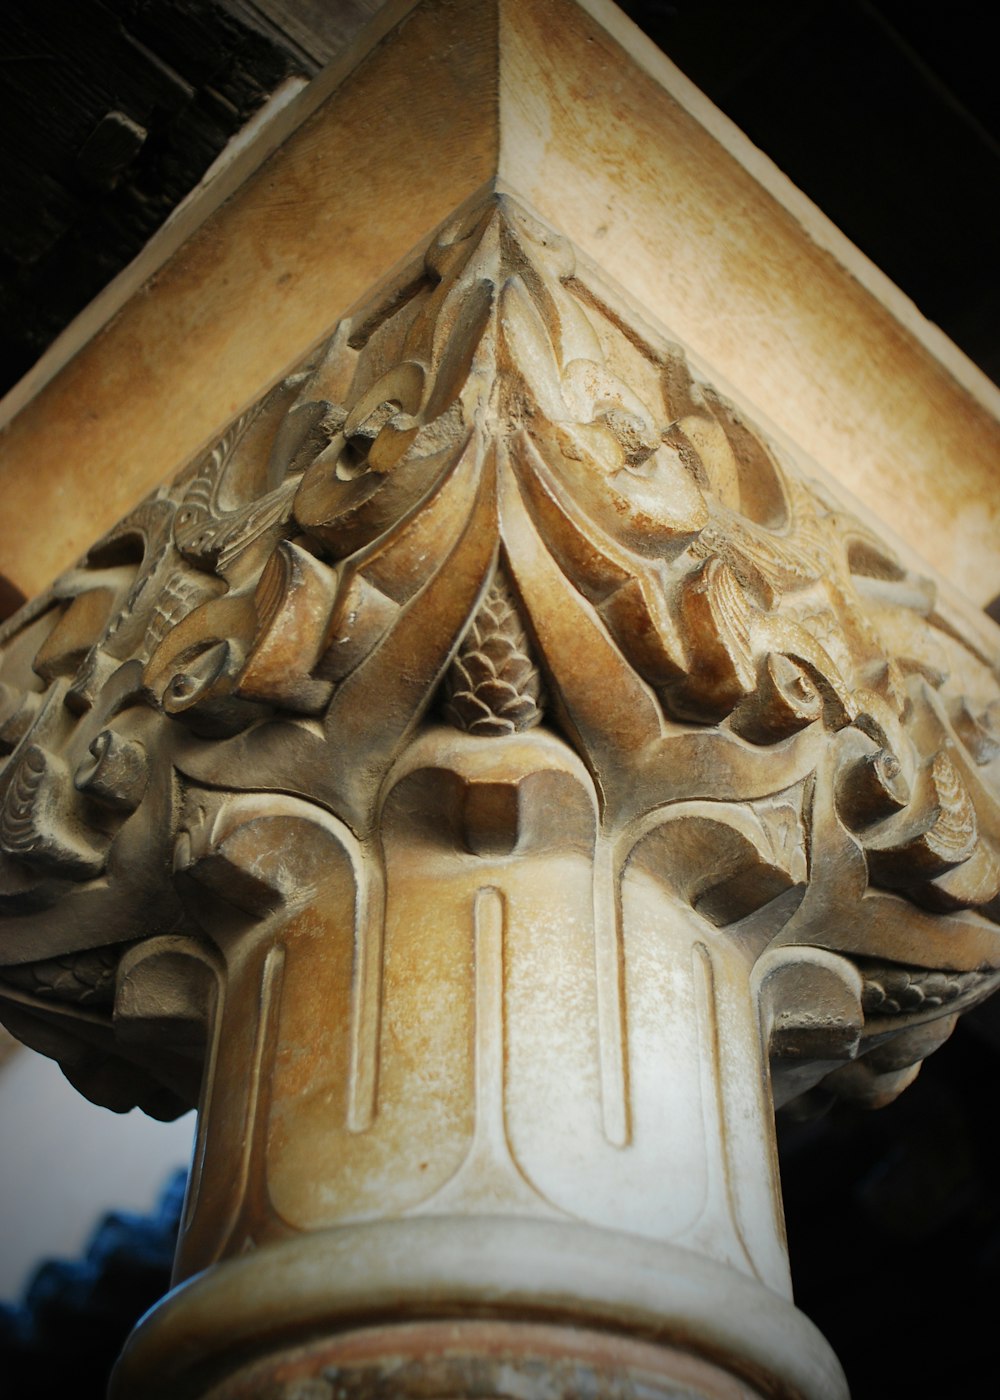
(37, 824)
(87, 979)
(493, 686)
(896, 991)
(114, 772)
(712, 754)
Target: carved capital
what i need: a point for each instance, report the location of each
(493, 717)
(496, 500)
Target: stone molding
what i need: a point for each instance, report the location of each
(648, 179)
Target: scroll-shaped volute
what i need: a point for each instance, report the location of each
(192, 674)
(280, 647)
(810, 1003)
(305, 432)
(381, 424)
(721, 860)
(360, 617)
(200, 691)
(743, 659)
(40, 823)
(314, 626)
(785, 700)
(871, 786)
(253, 854)
(166, 994)
(293, 602)
(936, 831)
(716, 624)
(114, 773)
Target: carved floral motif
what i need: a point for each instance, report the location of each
(496, 500)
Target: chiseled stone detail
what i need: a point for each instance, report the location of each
(493, 685)
(491, 717)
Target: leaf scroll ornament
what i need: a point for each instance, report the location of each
(496, 499)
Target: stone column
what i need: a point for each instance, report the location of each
(496, 772)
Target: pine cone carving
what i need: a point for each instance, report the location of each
(493, 686)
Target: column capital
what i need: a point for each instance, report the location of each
(497, 499)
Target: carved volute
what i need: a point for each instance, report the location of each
(467, 777)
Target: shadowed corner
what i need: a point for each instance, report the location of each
(11, 598)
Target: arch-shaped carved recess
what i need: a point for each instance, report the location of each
(496, 500)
